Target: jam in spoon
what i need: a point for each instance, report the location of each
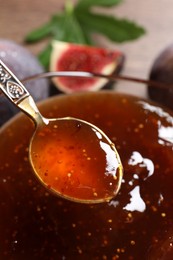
(71, 157)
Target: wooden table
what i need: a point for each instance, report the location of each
(18, 17)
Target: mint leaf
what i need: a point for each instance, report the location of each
(86, 4)
(117, 30)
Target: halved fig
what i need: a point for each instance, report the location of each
(75, 57)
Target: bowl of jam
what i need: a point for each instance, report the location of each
(136, 224)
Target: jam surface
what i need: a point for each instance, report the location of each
(137, 224)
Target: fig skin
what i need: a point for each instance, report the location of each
(162, 71)
(23, 64)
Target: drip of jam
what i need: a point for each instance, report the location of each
(137, 224)
(76, 160)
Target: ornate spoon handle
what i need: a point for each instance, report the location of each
(11, 86)
(18, 94)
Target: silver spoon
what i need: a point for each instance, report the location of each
(71, 157)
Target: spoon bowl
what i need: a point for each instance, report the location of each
(71, 157)
(64, 152)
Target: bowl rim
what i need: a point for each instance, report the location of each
(62, 95)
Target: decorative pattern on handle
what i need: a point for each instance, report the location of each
(10, 85)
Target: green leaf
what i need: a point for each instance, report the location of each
(44, 31)
(88, 37)
(117, 30)
(44, 56)
(39, 33)
(74, 31)
(58, 29)
(86, 4)
(69, 30)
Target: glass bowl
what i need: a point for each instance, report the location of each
(136, 224)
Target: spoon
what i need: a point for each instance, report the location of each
(71, 157)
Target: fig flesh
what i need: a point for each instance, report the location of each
(75, 57)
(162, 71)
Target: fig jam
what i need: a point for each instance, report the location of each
(137, 224)
(76, 161)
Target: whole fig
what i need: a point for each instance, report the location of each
(162, 71)
(23, 64)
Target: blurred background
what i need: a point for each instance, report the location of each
(18, 18)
